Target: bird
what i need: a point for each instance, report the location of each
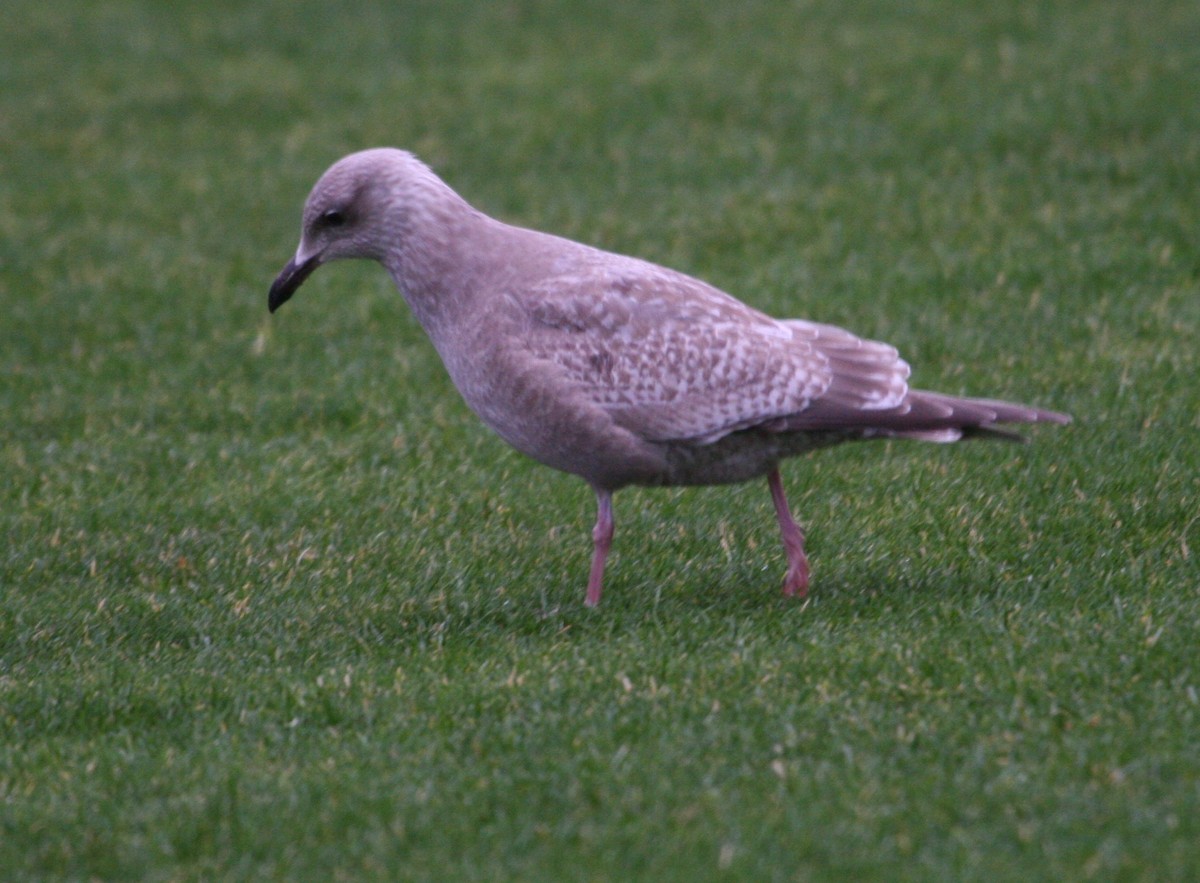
(612, 368)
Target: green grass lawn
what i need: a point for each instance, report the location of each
(274, 604)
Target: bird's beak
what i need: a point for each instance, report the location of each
(289, 279)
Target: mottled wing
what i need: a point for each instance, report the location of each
(674, 359)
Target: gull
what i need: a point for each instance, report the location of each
(613, 368)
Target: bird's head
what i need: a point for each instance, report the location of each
(348, 214)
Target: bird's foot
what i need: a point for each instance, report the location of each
(795, 584)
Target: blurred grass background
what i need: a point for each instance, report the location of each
(275, 605)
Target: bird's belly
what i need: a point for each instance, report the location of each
(541, 419)
(739, 456)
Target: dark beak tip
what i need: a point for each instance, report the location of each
(276, 297)
(289, 279)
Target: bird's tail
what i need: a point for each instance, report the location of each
(926, 416)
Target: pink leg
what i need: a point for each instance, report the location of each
(602, 535)
(796, 581)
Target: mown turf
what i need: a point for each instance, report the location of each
(275, 605)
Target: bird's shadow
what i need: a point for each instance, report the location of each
(731, 599)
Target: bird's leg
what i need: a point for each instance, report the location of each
(602, 535)
(796, 581)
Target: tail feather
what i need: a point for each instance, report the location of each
(927, 416)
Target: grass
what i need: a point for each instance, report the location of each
(275, 605)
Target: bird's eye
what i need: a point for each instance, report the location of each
(333, 218)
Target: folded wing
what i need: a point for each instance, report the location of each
(673, 359)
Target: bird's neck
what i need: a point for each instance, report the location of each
(436, 264)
